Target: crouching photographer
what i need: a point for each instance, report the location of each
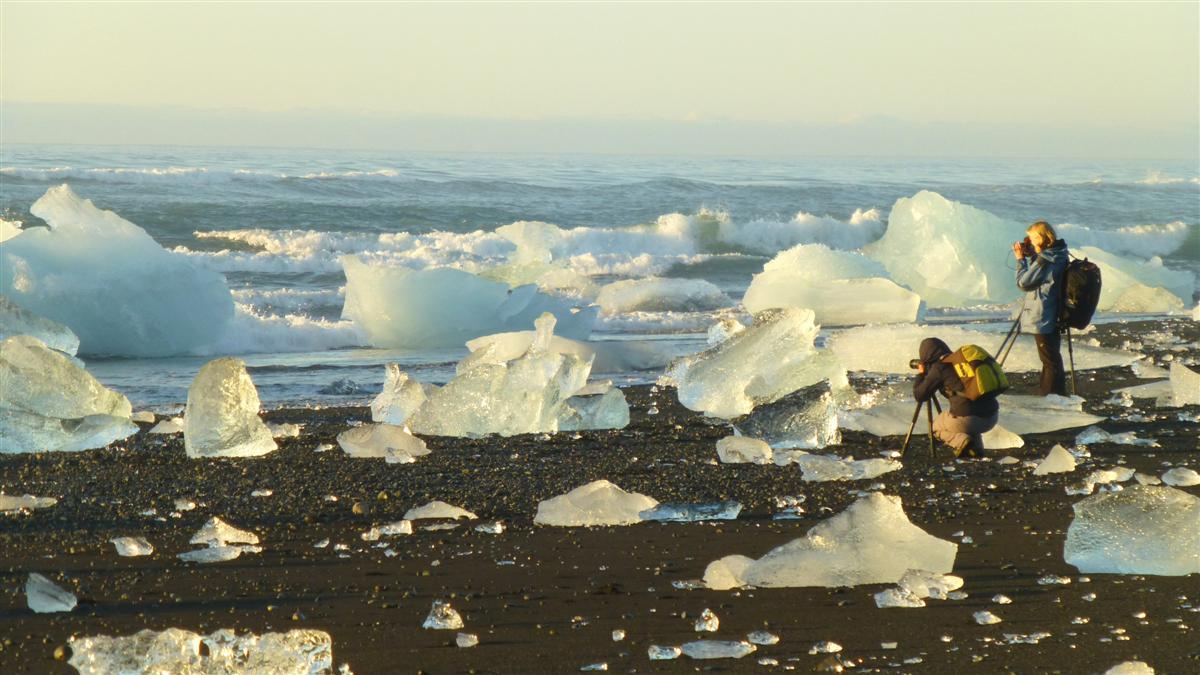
(970, 379)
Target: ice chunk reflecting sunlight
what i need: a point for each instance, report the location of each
(1143, 529)
(221, 419)
(597, 503)
(175, 650)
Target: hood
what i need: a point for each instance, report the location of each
(932, 349)
(1056, 251)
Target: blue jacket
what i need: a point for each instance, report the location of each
(1042, 281)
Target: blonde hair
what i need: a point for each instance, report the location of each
(1045, 229)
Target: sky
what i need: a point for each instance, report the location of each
(1045, 79)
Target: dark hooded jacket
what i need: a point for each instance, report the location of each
(940, 377)
(1041, 277)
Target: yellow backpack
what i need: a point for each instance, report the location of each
(979, 372)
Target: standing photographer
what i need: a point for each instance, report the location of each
(1041, 263)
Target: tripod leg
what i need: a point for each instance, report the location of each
(929, 416)
(936, 404)
(1010, 336)
(1071, 352)
(911, 426)
(1011, 344)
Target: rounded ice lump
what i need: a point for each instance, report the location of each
(111, 283)
(222, 419)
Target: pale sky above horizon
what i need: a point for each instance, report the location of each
(1098, 64)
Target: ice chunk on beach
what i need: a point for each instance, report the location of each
(917, 585)
(1130, 285)
(841, 287)
(403, 308)
(132, 546)
(45, 596)
(727, 572)
(26, 502)
(685, 512)
(143, 416)
(1185, 385)
(822, 468)
(174, 425)
(1098, 435)
(400, 398)
(609, 410)
(221, 419)
(111, 283)
(1057, 461)
(597, 503)
(717, 649)
(964, 255)
(217, 532)
(888, 348)
(48, 402)
(1143, 529)
(525, 395)
(438, 509)
(743, 450)
(872, 541)
(802, 419)
(656, 294)
(442, 617)
(393, 443)
(1181, 476)
(769, 360)
(175, 650)
(1130, 668)
(16, 320)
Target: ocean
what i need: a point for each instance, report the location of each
(276, 222)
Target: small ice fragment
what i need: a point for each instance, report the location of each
(395, 444)
(930, 585)
(742, 449)
(762, 637)
(888, 645)
(767, 661)
(132, 546)
(169, 426)
(398, 527)
(321, 544)
(1181, 476)
(323, 447)
(442, 617)
(438, 509)
(897, 597)
(708, 622)
(465, 640)
(1008, 459)
(371, 534)
(717, 649)
(1130, 668)
(217, 532)
(618, 635)
(677, 512)
(1053, 579)
(1057, 461)
(825, 647)
(9, 503)
(262, 492)
(595, 666)
(285, 430)
(1001, 599)
(45, 596)
(494, 527)
(597, 503)
(217, 553)
(182, 504)
(143, 416)
(1146, 479)
(663, 652)
(985, 618)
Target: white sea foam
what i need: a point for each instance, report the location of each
(250, 332)
(768, 237)
(1143, 241)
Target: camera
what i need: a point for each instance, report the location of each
(1026, 247)
(914, 364)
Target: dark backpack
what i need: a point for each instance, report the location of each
(1080, 294)
(980, 374)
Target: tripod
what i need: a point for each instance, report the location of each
(1011, 339)
(928, 405)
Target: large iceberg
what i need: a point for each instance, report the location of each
(952, 254)
(521, 396)
(175, 650)
(765, 362)
(871, 542)
(888, 348)
(111, 283)
(841, 287)
(48, 402)
(222, 419)
(1142, 529)
(656, 294)
(16, 320)
(399, 307)
(597, 503)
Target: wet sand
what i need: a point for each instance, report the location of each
(547, 599)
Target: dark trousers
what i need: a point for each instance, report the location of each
(1054, 378)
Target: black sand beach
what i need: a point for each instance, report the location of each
(545, 599)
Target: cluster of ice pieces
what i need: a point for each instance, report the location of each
(222, 419)
(916, 586)
(222, 541)
(1142, 529)
(49, 402)
(175, 650)
(768, 360)
(1097, 435)
(872, 541)
(111, 283)
(822, 468)
(403, 308)
(840, 287)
